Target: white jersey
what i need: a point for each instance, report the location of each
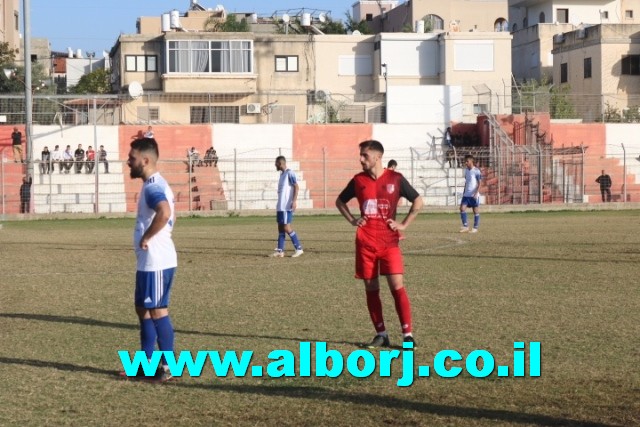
(161, 253)
(472, 179)
(285, 190)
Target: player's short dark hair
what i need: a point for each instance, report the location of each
(145, 145)
(372, 144)
(469, 156)
(281, 158)
(392, 164)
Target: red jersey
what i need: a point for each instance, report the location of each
(378, 201)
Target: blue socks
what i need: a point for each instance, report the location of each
(294, 240)
(148, 336)
(281, 241)
(476, 220)
(463, 217)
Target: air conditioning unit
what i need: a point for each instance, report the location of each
(254, 108)
(581, 33)
(558, 38)
(322, 95)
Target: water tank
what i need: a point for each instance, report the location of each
(79, 53)
(166, 22)
(306, 19)
(174, 19)
(420, 26)
(69, 52)
(254, 18)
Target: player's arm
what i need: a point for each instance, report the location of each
(159, 203)
(294, 197)
(475, 195)
(409, 193)
(341, 203)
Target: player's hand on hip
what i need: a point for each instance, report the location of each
(360, 222)
(144, 244)
(395, 226)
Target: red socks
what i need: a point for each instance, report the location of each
(374, 304)
(403, 308)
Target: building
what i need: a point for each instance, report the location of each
(189, 75)
(534, 23)
(601, 65)
(445, 15)
(10, 24)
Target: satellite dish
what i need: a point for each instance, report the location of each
(322, 17)
(285, 18)
(356, 33)
(135, 90)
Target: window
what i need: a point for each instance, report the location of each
(433, 22)
(210, 56)
(562, 16)
(628, 14)
(148, 114)
(287, 63)
(480, 108)
(215, 114)
(283, 114)
(354, 65)
(564, 73)
(141, 63)
(587, 68)
(369, 17)
(631, 65)
(541, 18)
(604, 14)
(16, 19)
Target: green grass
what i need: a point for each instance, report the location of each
(566, 279)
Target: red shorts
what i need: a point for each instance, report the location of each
(372, 261)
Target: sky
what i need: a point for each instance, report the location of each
(94, 25)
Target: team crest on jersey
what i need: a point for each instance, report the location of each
(391, 188)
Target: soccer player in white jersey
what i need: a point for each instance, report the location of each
(287, 198)
(471, 195)
(156, 255)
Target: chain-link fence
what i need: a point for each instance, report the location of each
(303, 107)
(512, 175)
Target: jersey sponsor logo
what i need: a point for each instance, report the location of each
(376, 208)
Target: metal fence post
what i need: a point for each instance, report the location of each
(624, 172)
(235, 179)
(324, 176)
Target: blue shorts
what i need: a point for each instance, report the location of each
(153, 288)
(472, 202)
(284, 217)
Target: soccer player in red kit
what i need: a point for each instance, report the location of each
(378, 191)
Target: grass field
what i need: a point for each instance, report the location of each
(566, 279)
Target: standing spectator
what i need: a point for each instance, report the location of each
(378, 191)
(16, 141)
(25, 194)
(193, 157)
(79, 158)
(56, 157)
(287, 201)
(155, 252)
(214, 157)
(605, 186)
(67, 162)
(149, 133)
(471, 195)
(45, 160)
(102, 158)
(392, 165)
(448, 138)
(91, 159)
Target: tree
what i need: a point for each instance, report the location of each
(7, 55)
(94, 82)
(332, 27)
(352, 25)
(229, 25)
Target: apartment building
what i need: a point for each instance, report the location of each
(189, 75)
(534, 23)
(10, 24)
